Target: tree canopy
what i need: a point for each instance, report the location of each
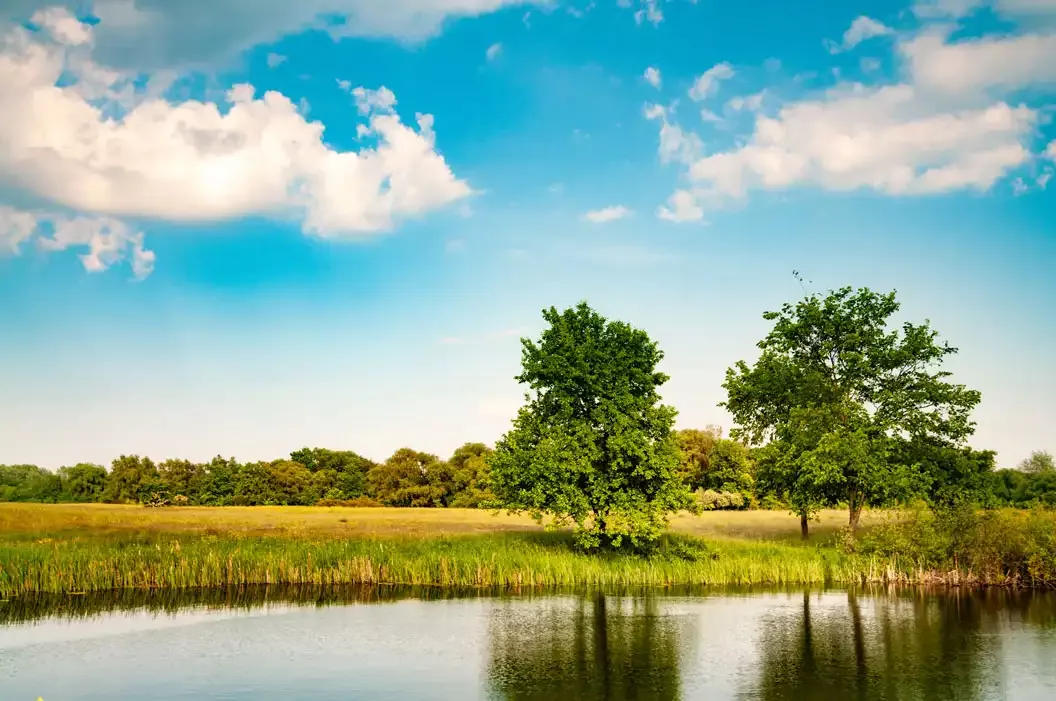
(593, 445)
(834, 391)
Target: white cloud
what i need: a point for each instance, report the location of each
(708, 83)
(275, 60)
(202, 160)
(861, 28)
(649, 11)
(108, 241)
(676, 144)
(878, 138)
(493, 52)
(607, 214)
(652, 76)
(1050, 150)
(61, 24)
(1044, 179)
(681, 207)
(951, 126)
(963, 8)
(750, 103)
(980, 64)
(15, 227)
(140, 35)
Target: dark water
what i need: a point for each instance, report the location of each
(354, 644)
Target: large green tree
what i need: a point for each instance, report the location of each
(835, 389)
(593, 445)
(130, 478)
(412, 478)
(83, 482)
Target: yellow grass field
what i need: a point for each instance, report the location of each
(27, 520)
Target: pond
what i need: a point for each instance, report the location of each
(399, 644)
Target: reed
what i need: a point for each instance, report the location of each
(51, 550)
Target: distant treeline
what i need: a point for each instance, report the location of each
(722, 472)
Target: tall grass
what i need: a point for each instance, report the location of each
(42, 553)
(494, 560)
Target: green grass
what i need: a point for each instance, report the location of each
(83, 548)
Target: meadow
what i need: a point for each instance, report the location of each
(82, 548)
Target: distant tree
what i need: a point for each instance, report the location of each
(470, 470)
(350, 469)
(182, 477)
(695, 448)
(217, 483)
(730, 468)
(831, 391)
(949, 475)
(29, 483)
(83, 482)
(593, 446)
(411, 478)
(1039, 461)
(131, 476)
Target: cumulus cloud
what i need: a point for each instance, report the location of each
(108, 241)
(652, 76)
(681, 207)
(493, 52)
(880, 138)
(676, 144)
(1050, 151)
(708, 83)
(155, 34)
(607, 214)
(861, 28)
(196, 160)
(950, 126)
(980, 64)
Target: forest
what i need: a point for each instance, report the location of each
(721, 471)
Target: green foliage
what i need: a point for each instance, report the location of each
(1007, 547)
(29, 483)
(83, 482)
(411, 478)
(710, 500)
(695, 446)
(1038, 462)
(593, 446)
(181, 477)
(471, 475)
(349, 469)
(833, 392)
(131, 479)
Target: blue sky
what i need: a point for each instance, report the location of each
(193, 266)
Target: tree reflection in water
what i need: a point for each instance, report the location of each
(585, 649)
(902, 646)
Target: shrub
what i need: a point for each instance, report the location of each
(711, 500)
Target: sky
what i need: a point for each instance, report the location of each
(242, 227)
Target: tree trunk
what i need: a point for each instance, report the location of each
(804, 529)
(855, 503)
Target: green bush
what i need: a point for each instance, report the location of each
(710, 500)
(1001, 546)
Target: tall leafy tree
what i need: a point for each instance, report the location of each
(129, 479)
(470, 471)
(593, 445)
(411, 478)
(833, 391)
(1039, 461)
(83, 482)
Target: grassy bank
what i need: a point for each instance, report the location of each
(83, 548)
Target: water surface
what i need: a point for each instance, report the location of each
(399, 644)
